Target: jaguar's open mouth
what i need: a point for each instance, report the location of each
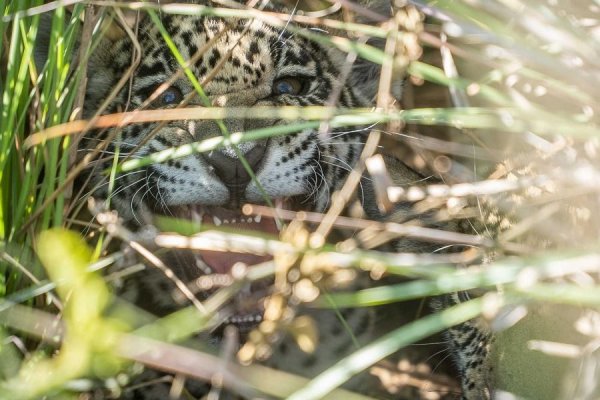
(228, 220)
(245, 309)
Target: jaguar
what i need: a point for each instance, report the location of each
(240, 63)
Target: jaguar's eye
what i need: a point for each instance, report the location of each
(291, 86)
(171, 95)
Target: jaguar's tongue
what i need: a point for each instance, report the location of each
(221, 262)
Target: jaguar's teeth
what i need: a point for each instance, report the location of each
(240, 319)
(242, 220)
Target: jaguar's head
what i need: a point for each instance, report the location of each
(241, 63)
(231, 64)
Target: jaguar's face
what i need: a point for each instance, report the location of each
(245, 63)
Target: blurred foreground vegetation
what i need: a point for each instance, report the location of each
(502, 106)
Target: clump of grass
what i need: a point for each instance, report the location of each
(521, 82)
(31, 101)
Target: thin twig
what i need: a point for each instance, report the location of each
(416, 232)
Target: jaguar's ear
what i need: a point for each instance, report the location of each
(371, 11)
(99, 59)
(99, 77)
(364, 11)
(365, 74)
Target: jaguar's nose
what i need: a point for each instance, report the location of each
(229, 167)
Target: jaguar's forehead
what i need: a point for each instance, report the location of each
(235, 54)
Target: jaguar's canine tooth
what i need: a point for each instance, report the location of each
(233, 221)
(257, 218)
(217, 221)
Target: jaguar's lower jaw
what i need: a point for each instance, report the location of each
(245, 310)
(228, 221)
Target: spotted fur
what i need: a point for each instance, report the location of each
(304, 164)
(244, 63)
(246, 60)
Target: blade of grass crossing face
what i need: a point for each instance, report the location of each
(468, 117)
